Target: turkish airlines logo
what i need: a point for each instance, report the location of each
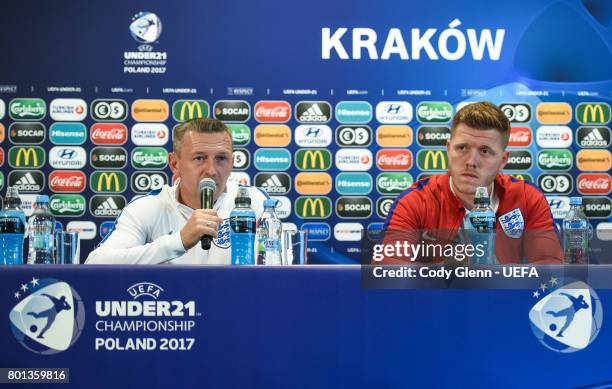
(520, 137)
(594, 183)
(64, 181)
(272, 111)
(394, 159)
(554, 136)
(109, 133)
(68, 109)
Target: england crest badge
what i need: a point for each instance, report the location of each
(513, 223)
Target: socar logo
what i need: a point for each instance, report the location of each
(146, 27)
(568, 318)
(49, 316)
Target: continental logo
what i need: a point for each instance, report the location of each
(2, 133)
(593, 113)
(313, 183)
(432, 160)
(26, 157)
(554, 113)
(594, 160)
(313, 159)
(394, 136)
(241, 134)
(183, 110)
(145, 110)
(313, 207)
(272, 135)
(108, 182)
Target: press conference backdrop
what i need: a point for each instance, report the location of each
(335, 109)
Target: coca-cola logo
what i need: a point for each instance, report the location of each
(520, 137)
(594, 183)
(272, 111)
(108, 133)
(394, 159)
(67, 181)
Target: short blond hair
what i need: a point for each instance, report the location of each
(199, 125)
(483, 115)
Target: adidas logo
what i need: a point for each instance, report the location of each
(27, 183)
(107, 208)
(313, 114)
(274, 185)
(594, 139)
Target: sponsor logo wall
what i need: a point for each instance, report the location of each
(336, 165)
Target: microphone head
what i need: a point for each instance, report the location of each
(207, 183)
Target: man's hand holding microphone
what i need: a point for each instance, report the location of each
(203, 225)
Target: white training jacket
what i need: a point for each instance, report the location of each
(148, 230)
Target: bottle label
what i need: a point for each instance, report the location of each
(482, 222)
(239, 224)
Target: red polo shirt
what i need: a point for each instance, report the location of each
(525, 231)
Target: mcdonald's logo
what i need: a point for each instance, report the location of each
(26, 157)
(593, 113)
(314, 207)
(183, 110)
(432, 160)
(108, 182)
(313, 159)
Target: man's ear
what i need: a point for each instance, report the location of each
(173, 162)
(505, 156)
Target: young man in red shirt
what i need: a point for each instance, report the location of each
(434, 209)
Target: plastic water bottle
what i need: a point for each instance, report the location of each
(12, 229)
(242, 229)
(481, 228)
(576, 233)
(41, 226)
(269, 229)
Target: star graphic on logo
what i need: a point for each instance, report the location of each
(34, 281)
(553, 281)
(24, 287)
(536, 294)
(543, 287)
(17, 295)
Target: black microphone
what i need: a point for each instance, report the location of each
(207, 189)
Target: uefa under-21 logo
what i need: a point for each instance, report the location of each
(568, 318)
(146, 27)
(49, 316)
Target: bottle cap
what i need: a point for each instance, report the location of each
(42, 199)
(242, 197)
(576, 200)
(270, 203)
(481, 197)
